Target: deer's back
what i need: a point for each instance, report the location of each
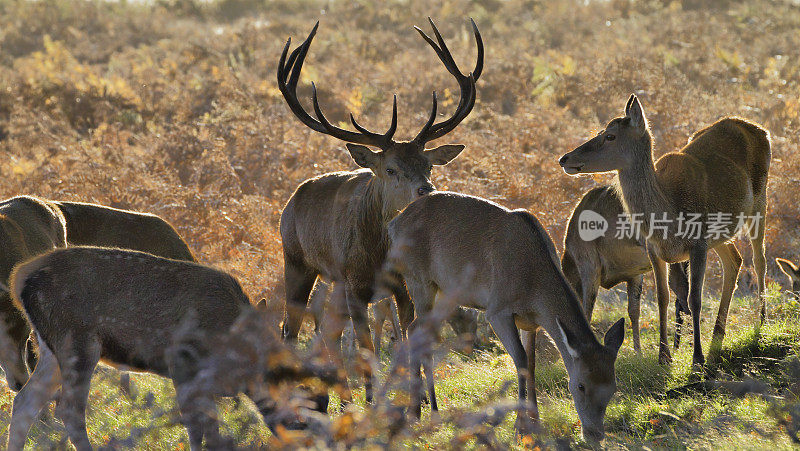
(465, 244)
(97, 225)
(127, 300)
(328, 219)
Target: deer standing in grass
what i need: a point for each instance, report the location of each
(717, 181)
(504, 262)
(608, 260)
(334, 225)
(792, 271)
(121, 307)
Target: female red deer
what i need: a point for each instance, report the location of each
(334, 225)
(122, 307)
(504, 262)
(688, 202)
(608, 260)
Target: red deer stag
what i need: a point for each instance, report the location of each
(608, 259)
(121, 307)
(505, 263)
(28, 226)
(334, 225)
(687, 203)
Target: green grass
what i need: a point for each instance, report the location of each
(641, 414)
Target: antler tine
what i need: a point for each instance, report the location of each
(289, 74)
(466, 83)
(431, 118)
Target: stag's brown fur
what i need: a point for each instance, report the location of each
(28, 226)
(504, 262)
(723, 169)
(121, 307)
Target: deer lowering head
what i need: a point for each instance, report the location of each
(402, 167)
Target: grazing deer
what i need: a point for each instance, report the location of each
(97, 225)
(791, 270)
(688, 202)
(334, 224)
(504, 262)
(28, 226)
(610, 259)
(121, 307)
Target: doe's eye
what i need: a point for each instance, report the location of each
(390, 171)
(581, 387)
(610, 137)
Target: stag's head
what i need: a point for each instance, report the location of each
(592, 379)
(616, 147)
(402, 168)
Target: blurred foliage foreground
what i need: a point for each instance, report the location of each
(170, 107)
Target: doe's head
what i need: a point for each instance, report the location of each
(615, 147)
(592, 378)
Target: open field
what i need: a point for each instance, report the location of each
(171, 107)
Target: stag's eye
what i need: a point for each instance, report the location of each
(390, 171)
(610, 137)
(581, 388)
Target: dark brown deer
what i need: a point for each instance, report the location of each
(716, 185)
(791, 270)
(121, 307)
(334, 225)
(98, 225)
(609, 260)
(28, 226)
(441, 244)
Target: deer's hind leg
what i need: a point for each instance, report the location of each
(731, 263)
(420, 336)
(77, 366)
(299, 278)
(634, 286)
(36, 394)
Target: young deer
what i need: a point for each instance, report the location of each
(334, 224)
(121, 307)
(98, 225)
(28, 226)
(688, 202)
(504, 262)
(608, 260)
(791, 270)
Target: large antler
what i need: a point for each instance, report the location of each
(466, 84)
(289, 74)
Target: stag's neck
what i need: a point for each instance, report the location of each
(639, 187)
(376, 211)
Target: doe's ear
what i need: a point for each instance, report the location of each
(636, 113)
(568, 339)
(262, 304)
(788, 268)
(443, 154)
(615, 335)
(363, 156)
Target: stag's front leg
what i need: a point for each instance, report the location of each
(697, 272)
(357, 302)
(662, 294)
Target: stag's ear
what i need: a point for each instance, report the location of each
(615, 336)
(788, 268)
(443, 154)
(568, 339)
(363, 156)
(636, 113)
